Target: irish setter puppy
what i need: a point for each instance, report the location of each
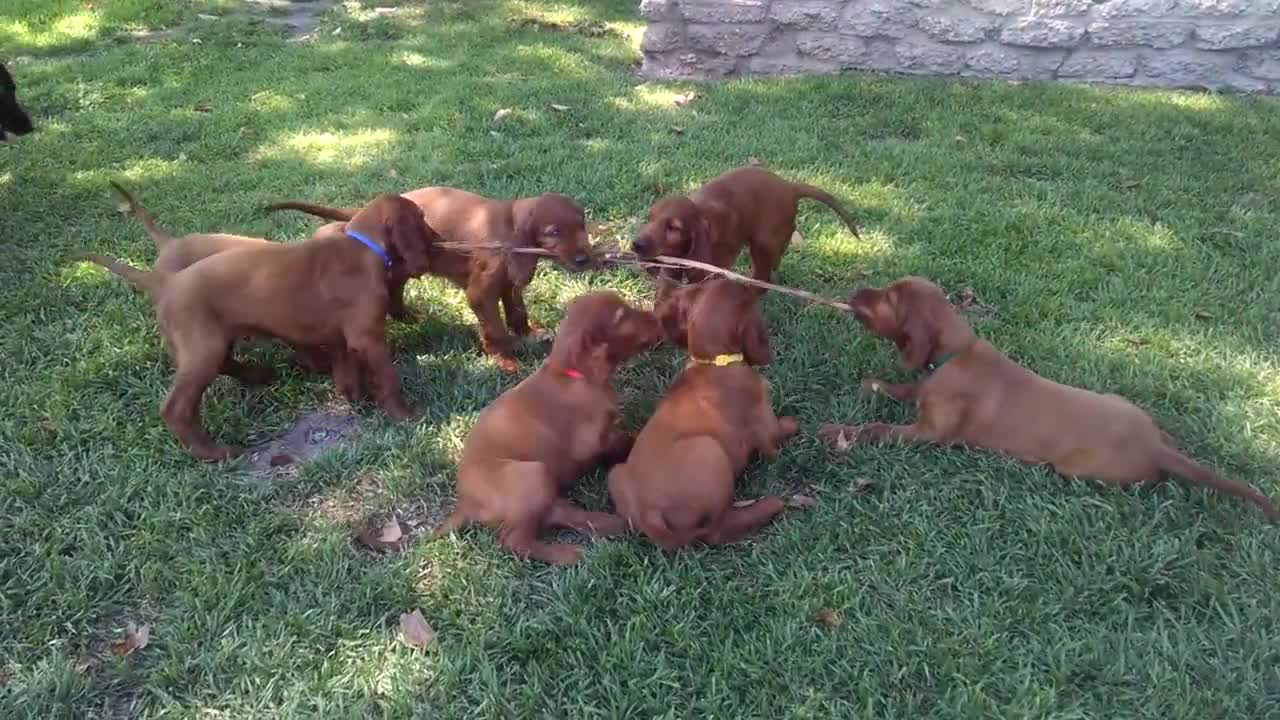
(976, 396)
(747, 205)
(330, 290)
(550, 221)
(531, 444)
(677, 484)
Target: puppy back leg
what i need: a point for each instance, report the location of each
(739, 522)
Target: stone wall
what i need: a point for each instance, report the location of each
(1214, 44)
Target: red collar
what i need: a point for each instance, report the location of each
(574, 373)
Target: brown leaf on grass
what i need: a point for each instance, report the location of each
(393, 173)
(1204, 314)
(829, 617)
(202, 108)
(502, 114)
(753, 161)
(802, 502)
(135, 638)
(797, 238)
(415, 630)
(122, 207)
(1130, 183)
(968, 297)
(862, 485)
(385, 536)
(86, 662)
(683, 99)
(558, 108)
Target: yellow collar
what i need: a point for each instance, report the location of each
(718, 361)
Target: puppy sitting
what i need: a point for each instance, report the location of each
(746, 205)
(677, 484)
(330, 290)
(532, 443)
(13, 119)
(976, 396)
(549, 221)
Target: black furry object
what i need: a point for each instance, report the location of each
(13, 119)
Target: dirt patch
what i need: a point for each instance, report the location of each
(312, 433)
(297, 18)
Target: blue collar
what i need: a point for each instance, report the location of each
(355, 234)
(931, 366)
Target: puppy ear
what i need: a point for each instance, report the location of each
(756, 349)
(673, 315)
(917, 336)
(700, 239)
(408, 236)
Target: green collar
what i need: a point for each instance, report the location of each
(932, 366)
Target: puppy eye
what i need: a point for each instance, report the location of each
(553, 231)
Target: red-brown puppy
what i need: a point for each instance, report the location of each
(747, 205)
(976, 396)
(550, 221)
(532, 443)
(677, 483)
(330, 290)
(176, 253)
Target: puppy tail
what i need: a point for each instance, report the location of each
(1174, 462)
(141, 279)
(331, 213)
(826, 198)
(158, 236)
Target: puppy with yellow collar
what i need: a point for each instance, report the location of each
(676, 486)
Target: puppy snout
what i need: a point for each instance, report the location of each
(641, 245)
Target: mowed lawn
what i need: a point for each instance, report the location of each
(1126, 241)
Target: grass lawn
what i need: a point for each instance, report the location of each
(1122, 240)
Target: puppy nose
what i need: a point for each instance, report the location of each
(641, 245)
(581, 259)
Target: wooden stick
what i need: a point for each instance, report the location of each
(663, 261)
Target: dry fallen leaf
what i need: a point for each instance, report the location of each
(829, 617)
(685, 98)
(393, 173)
(87, 662)
(558, 108)
(753, 161)
(842, 441)
(391, 532)
(415, 630)
(803, 502)
(1204, 314)
(135, 638)
(122, 207)
(502, 114)
(797, 238)
(862, 485)
(677, 129)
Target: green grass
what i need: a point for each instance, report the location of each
(1122, 240)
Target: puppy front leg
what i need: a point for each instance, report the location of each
(369, 345)
(395, 296)
(483, 294)
(617, 446)
(904, 392)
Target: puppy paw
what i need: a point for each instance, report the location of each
(507, 364)
(787, 426)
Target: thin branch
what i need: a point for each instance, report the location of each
(661, 261)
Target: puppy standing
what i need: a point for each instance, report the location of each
(976, 396)
(550, 221)
(677, 483)
(532, 443)
(747, 205)
(13, 119)
(330, 290)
